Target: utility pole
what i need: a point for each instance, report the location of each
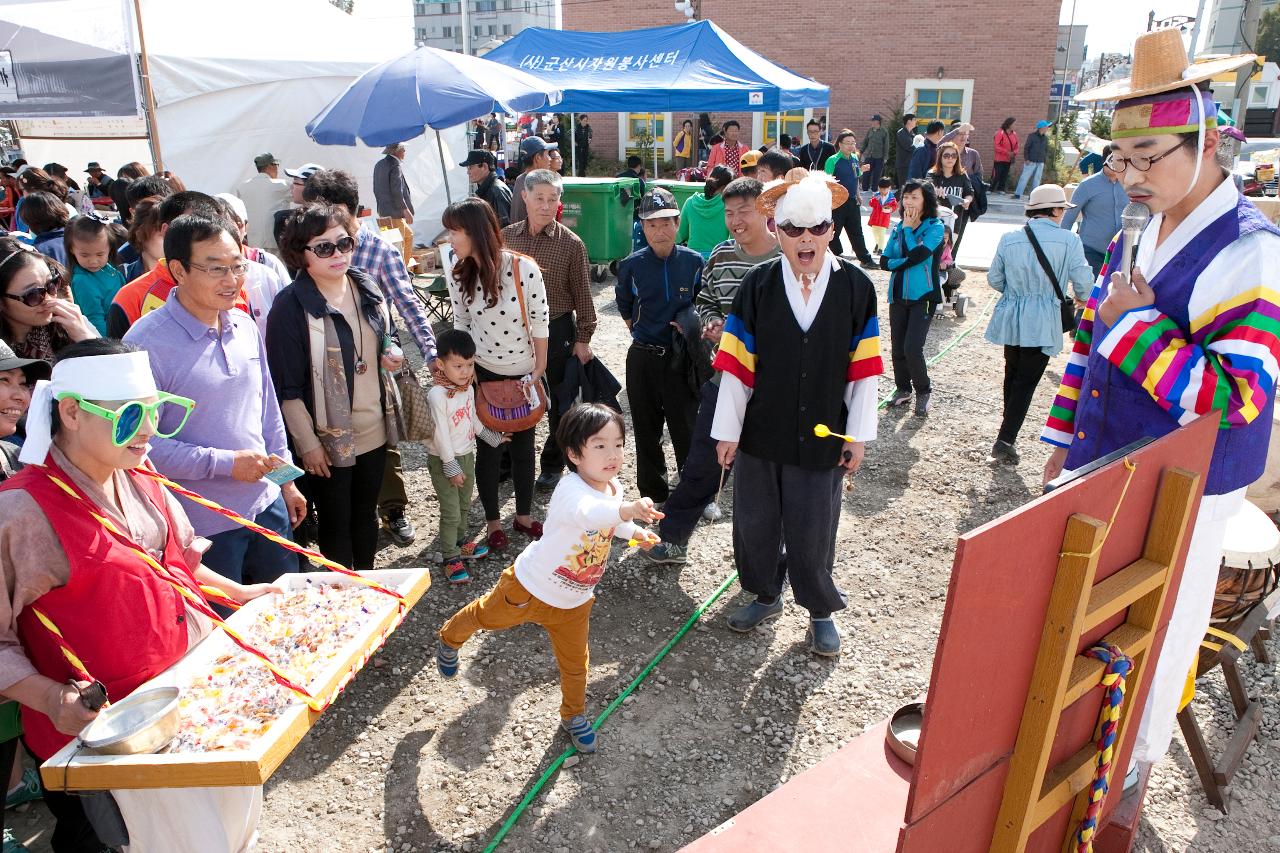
(1195, 32)
(466, 26)
(1066, 62)
(1249, 33)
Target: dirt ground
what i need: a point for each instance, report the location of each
(408, 762)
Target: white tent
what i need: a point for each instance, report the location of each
(240, 77)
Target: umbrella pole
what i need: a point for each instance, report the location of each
(653, 134)
(444, 169)
(573, 143)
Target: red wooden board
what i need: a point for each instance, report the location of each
(996, 603)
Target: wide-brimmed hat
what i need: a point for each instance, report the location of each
(1160, 65)
(773, 193)
(1047, 197)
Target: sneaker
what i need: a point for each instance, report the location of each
(900, 398)
(473, 550)
(28, 789)
(1003, 451)
(868, 264)
(581, 733)
(546, 481)
(922, 405)
(11, 844)
(748, 616)
(824, 639)
(712, 512)
(457, 572)
(400, 528)
(1016, 196)
(668, 554)
(446, 659)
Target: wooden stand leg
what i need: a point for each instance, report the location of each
(1235, 686)
(1200, 757)
(1259, 644)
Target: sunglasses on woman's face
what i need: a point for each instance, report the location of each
(127, 420)
(34, 297)
(796, 230)
(326, 248)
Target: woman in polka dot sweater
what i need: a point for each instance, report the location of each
(510, 343)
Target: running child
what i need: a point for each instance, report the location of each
(553, 580)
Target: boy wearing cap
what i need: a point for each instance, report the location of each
(801, 347)
(654, 285)
(1033, 151)
(535, 153)
(263, 195)
(1189, 331)
(481, 169)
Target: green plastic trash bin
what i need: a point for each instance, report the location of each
(601, 212)
(680, 189)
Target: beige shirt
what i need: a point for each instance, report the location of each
(32, 561)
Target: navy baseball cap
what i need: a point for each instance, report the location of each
(658, 203)
(533, 145)
(480, 157)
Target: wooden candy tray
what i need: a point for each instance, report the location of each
(78, 769)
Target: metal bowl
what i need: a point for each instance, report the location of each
(144, 722)
(903, 733)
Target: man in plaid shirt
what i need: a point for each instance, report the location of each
(380, 260)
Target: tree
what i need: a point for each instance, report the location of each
(1269, 34)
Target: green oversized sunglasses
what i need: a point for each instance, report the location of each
(127, 420)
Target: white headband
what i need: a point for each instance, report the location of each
(805, 204)
(122, 376)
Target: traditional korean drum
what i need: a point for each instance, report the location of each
(1248, 574)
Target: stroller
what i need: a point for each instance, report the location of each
(950, 274)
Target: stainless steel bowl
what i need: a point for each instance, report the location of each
(144, 722)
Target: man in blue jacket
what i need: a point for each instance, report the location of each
(654, 285)
(922, 157)
(1099, 201)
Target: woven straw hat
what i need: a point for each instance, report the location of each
(1160, 65)
(768, 201)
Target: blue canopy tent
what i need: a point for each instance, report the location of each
(684, 67)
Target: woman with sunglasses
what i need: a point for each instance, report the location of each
(913, 257)
(87, 431)
(327, 335)
(510, 327)
(37, 317)
(954, 188)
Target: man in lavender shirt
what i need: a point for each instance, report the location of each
(203, 347)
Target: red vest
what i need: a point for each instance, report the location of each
(119, 617)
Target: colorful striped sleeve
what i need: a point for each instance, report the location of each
(1229, 365)
(1059, 429)
(737, 354)
(864, 353)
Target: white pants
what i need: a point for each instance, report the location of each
(1186, 626)
(191, 820)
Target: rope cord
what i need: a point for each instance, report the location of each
(529, 797)
(1113, 682)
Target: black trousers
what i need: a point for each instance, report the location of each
(347, 509)
(999, 176)
(848, 218)
(871, 177)
(699, 476)
(560, 341)
(392, 496)
(658, 395)
(908, 329)
(1023, 367)
(521, 452)
(784, 526)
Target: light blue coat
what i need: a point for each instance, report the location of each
(1027, 314)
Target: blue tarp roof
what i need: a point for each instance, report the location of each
(684, 68)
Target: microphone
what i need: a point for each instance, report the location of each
(1133, 219)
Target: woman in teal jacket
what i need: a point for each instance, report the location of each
(702, 225)
(913, 257)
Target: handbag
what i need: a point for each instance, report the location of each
(415, 421)
(512, 405)
(1066, 306)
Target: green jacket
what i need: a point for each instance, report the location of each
(702, 225)
(875, 145)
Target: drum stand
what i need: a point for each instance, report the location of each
(1215, 776)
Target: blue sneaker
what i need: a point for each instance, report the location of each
(473, 550)
(824, 639)
(748, 616)
(581, 733)
(446, 659)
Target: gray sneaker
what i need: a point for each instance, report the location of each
(750, 615)
(667, 553)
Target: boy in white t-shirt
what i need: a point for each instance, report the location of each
(553, 580)
(452, 449)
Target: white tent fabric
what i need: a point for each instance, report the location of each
(240, 77)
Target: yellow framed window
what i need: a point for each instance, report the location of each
(940, 104)
(793, 122)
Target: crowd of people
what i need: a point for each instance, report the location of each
(246, 346)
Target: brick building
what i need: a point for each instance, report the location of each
(979, 61)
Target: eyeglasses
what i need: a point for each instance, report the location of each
(239, 270)
(1117, 164)
(34, 297)
(326, 248)
(948, 156)
(796, 230)
(127, 420)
